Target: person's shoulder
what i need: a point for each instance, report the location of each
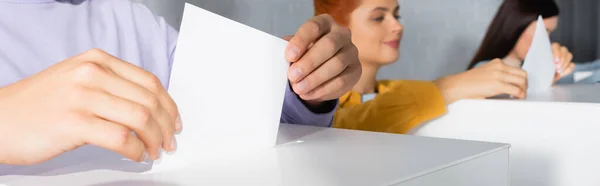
(130, 14)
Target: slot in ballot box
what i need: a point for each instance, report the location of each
(316, 156)
(554, 136)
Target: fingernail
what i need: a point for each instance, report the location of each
(292, 53)
(173, 144)
(295, 74)
(556, 60)
(178, 123)
(301, 87)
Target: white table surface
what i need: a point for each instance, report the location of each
(305, 156)
(555, 136)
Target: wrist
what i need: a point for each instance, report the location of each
(447, 87)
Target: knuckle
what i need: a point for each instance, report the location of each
(330, 43)
(314, 26)
(141, 116)
(153, 83)
(339, 64)
(340, 83)
(500, 65)
(152, 102)
(96, 53)
(496, 63)
(87, 71)
(121, 139)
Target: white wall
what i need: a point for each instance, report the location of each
(440, 36)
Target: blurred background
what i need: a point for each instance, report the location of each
(440, 36)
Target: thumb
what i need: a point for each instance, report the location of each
(288, 37)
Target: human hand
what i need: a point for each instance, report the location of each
(491, 79)
(563, 61)
(93, 98)
(324, 61)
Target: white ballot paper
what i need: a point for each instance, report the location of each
(539, 62)
(229, 82)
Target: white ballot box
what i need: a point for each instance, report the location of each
(323, 156)
(554, 136)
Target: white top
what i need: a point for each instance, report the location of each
(305, 156)
(553, 136)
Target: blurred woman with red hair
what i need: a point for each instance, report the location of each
(397, 106)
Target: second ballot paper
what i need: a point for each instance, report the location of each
(539, 62)
(229, 82)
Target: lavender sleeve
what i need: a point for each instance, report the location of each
(294, 110)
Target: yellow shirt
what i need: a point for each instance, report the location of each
(399, 106)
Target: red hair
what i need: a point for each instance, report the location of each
(340, 10)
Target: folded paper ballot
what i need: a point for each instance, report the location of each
(229, 82)
(539, 62)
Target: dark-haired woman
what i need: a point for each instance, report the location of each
(511, 32)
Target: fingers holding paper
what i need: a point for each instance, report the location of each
(93, 98)
(492, 79)
(507, 79)
(563, 61)
(324, 61)
(144, 88)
